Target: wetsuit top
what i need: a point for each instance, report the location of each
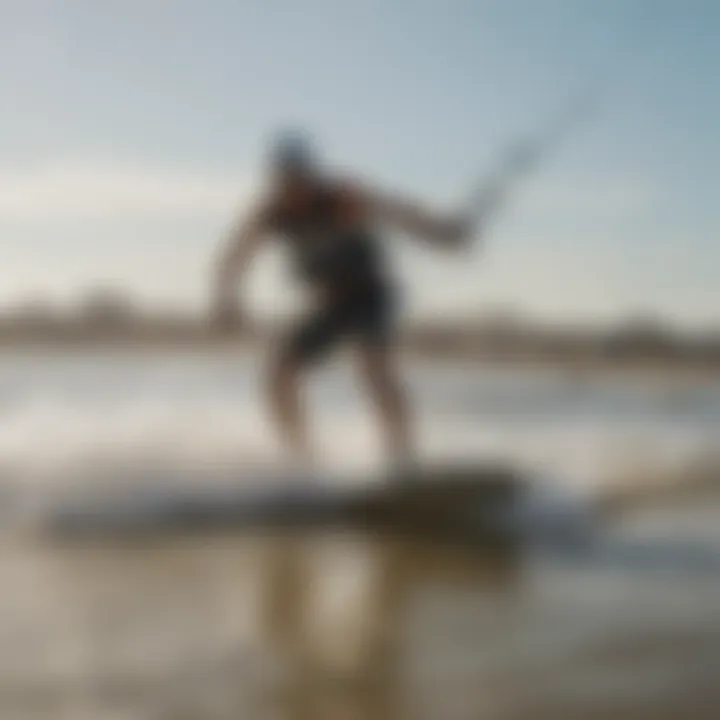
(332, 245)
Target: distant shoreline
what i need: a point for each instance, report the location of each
(474, 354)
(111, 321)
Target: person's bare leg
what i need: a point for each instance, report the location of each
(287, 408)
(378, 366)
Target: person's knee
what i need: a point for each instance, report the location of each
(282, 373)
(380, 372)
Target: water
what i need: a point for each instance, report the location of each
(100, 412)
(347, 625)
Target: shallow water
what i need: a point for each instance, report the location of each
(350, 626)
(332, 625)
(86, 413)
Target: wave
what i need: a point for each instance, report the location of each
(50, 444)
(90, 423)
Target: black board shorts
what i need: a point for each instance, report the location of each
(368, 317)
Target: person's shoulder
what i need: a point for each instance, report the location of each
(343, 184)
(265, 209)
(348, 191)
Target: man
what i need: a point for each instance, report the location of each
(330, 226)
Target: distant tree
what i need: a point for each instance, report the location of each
(108, 308)
(32, 314)
(643, 337)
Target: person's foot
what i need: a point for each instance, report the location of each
(300, 467)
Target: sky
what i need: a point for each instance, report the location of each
(132, 134)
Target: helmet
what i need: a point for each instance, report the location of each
(292, 150)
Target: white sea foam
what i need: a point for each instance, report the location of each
(108, 419)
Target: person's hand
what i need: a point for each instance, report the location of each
(459, 232)
(227, 315)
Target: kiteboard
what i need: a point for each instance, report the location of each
(446, 499)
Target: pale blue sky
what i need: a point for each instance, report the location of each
(132, 130)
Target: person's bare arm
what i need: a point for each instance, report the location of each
(235, 256)
(414, 219)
